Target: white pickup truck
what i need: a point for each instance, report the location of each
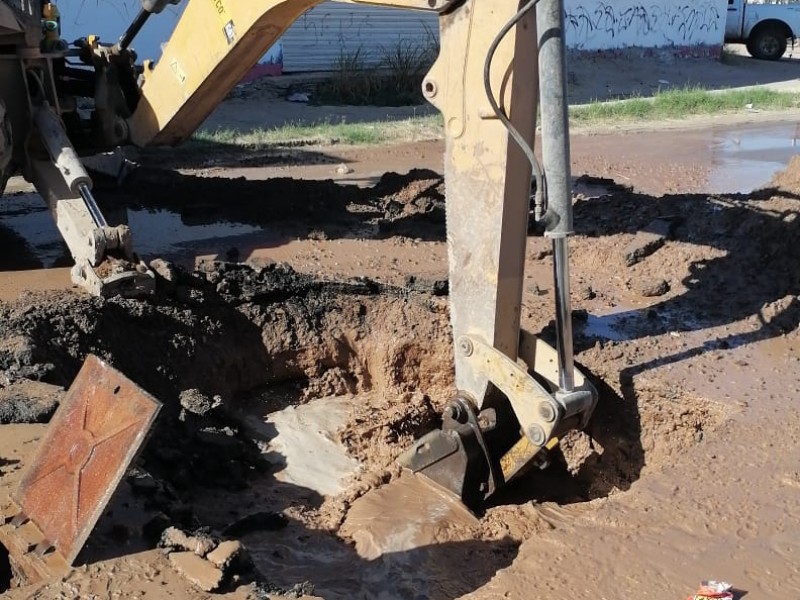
(765, 26)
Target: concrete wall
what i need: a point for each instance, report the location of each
(621, 24)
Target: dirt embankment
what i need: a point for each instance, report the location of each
(407, 205)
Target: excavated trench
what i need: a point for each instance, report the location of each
(234, 342)
(234, 339)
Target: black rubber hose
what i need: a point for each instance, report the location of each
(541, 193)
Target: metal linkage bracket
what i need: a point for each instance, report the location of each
(541, 358)
(537, 411)
(457, 456)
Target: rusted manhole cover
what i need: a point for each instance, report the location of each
(89, 445)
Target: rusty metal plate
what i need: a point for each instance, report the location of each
(89, 445)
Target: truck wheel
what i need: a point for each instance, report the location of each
(768, 43)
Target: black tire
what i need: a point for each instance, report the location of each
(767, 43)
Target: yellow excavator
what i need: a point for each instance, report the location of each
(501, 64)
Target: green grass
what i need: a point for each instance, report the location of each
(672, 104)
(325, 134)
(680, 103)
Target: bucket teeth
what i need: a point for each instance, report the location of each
(18, 520)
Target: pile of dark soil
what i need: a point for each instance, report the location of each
(410, 204)
(205, 342)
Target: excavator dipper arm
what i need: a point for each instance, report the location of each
(36, 142)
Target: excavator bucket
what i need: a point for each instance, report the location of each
(480, 450)
(89, 445)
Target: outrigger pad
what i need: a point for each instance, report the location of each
(91, 441)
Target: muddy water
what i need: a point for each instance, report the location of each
(403, 534)
(159, 232)
(304, 446)
(27, 216)
(409, 513)
(164, 232)
(722, 159)
(746, 157)
(717, 159)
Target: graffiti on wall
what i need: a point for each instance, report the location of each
(603, 25)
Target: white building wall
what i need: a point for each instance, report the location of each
(618, 24)
(331, 29)
(335, 29)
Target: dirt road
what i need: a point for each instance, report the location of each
(632, 73)
(692, 469)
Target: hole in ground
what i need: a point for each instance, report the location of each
(204, 343)
(630, 435)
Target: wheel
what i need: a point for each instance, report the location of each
(767, 43)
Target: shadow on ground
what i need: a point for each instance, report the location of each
(16, 253)
(616, 429)
(757, 278)
(204, 153)
(287, 554)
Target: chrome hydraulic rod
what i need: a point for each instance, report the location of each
(566, 362)
(91, 205)
(133, 30)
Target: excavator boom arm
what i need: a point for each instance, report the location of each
(485, 82)
(211, 48)
(515, 394)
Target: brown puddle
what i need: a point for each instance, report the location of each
(410, 512)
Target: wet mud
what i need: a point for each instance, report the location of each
(411, 204)
(235, 343)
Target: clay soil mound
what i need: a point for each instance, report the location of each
(411, 204)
